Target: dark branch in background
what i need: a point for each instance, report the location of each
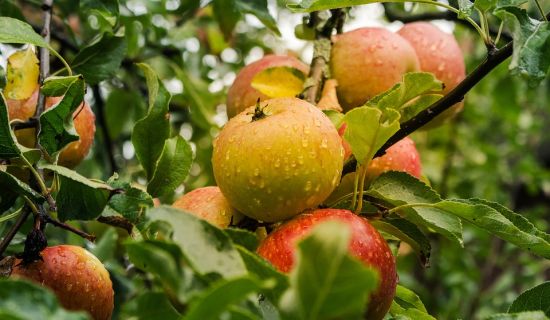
(13, 231)
(454, 96)
(316, 77)
(119, 222)
(394, 15)
(107, 141)
(67, 227)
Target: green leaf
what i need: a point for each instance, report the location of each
(227, 14)
(485, 5)
(17, 31)
(100, 60)
(9, 9)
(106, 11)
(221, 296)
(259, 9)
(12, 184)
(326, 282)
(368, 129)
(335, 117)
(121, 107)
(129, 202)
(105, 248)
(172, 167)
(531, 57)
(279, 82)
(501, 222)
(534, 299)
(197, 93)
(56, 123)
(150, 305)
(263, 270)
(57, 86)
(206, 248)
(410, 96)
(244, 238)
(399, 188)
(159, 258)
(150, 133)
(78, 198)
(533, 315)
(466, 8)
(20, 300)
(407, 299)
(8, 146)
(409, 233)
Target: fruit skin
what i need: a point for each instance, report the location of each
(440, 54)
(84, 122)
(275, 167)
(78, 279)
(366, 244)
(209, 204)
(402, 156)
(367, 62)
(241, 95)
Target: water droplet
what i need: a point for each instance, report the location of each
(256, 172)
(308, 186)
(441, 66)
(324, 143)
(378, 62)
(304, 143)
(277, 163)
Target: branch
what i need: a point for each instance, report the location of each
(72, 229)
(395, 15)
(454, 96)
(13, 231)
(321, 53)
(108, 142)
(118, 222)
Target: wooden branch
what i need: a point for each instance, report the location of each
(13, 230)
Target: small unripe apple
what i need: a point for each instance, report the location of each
(241, 95)
(402, 156)
(84, 122)
(78, 279)
(366, 244)
(209, 204)
(440, 54)
(367, 62)
(277, 159)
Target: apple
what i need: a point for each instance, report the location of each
(78, 279)
(440, 54)
(277, 159)
(209, 204)
(241, 95)
(366, 244)
(402, 156)
(84, 122)
(367, 62)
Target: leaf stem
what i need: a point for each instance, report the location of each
(539, 6)
(11, 215)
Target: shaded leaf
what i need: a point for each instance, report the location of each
(534, 299)
(10, 183)
(17, 31)
(151, 305)
(8, 146)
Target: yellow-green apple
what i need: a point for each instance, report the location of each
(366, 244)
(209, 204)
(367, 62)
(84, 122)
(241, 95)
(78, 279)
(440, 54)
(276, 159)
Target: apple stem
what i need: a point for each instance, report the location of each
(258, 112)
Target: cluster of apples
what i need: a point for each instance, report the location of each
(280, 159)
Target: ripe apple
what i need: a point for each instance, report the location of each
(402, 156)
(78, 279)
(369, 61)
(241, 95)
(277, 159)
(366, 244)
(84, 122)
(440, 54)
(209, 204)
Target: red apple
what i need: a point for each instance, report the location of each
(440, 54)
(78, 279)
(366, 244)
(367, 62)
(209, 204)
(275, 160)
(241, 95)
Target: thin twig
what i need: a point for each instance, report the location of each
(59, 224)
(118, 222)
(108, 142)
(13, 231)
(394, 15)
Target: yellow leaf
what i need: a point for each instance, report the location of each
(279, 82)
(22, 75)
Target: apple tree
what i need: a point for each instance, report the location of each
(255, 159)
